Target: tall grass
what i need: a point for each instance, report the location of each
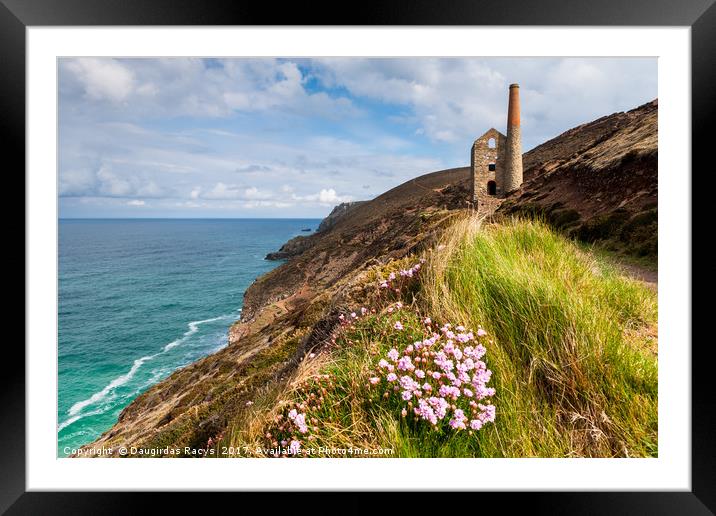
(570, 379)
(573, 368)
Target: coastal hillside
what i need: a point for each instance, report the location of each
(288, 311)
(573, 383)
(598, 182)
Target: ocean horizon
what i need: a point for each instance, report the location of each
(142, 297)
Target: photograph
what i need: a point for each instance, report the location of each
(357, 257)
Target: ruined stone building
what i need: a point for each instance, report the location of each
(496, 159)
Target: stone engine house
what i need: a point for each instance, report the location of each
(486, 162)
(496, 159)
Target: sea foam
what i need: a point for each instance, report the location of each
(74, 411)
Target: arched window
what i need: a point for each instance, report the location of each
(491, 143)
(491, 188)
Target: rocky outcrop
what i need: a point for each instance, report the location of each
(301, 243)
(339, 211)
(293, 247)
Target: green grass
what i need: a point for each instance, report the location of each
(571, 349)
(571, 372)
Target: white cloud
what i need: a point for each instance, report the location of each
(223, 191)
(102, 79)
(447, 96)
(192, 87)
(330, 197)
(136, 202)
(455, 99)
(326, 197)
(76, 181)
(301, 135)
(255, 193)
(111, 184)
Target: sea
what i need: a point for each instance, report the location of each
(140, 298)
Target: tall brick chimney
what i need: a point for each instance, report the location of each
(512, 174)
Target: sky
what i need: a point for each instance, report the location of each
(248, 138)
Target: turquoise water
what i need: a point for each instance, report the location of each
(140, 298)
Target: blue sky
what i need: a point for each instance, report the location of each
(180, 137)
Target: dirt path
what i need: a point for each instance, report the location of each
(647, 275)
(640, 273)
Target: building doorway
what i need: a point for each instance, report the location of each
(491, 188)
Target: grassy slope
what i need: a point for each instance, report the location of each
(573, 360)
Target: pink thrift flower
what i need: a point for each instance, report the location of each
(427, 320)
(405, 364)
(398, 325)
(391, 377)
(374, 380)
(300, 421)
(489, 413)
(294, 447)
(481, 332)
(408, 383)
(393, 354)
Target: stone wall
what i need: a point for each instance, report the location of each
(481, 158)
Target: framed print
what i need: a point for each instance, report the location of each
(417, 249)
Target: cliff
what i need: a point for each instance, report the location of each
(596, 169)
(301, 243)
(337, 213)
(288, 311)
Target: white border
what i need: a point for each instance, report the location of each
(671, 471)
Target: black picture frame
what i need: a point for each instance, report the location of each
(17, 15)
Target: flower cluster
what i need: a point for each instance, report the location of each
(403, 273)
(290, 429)
(347, 319)
(440, 378)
